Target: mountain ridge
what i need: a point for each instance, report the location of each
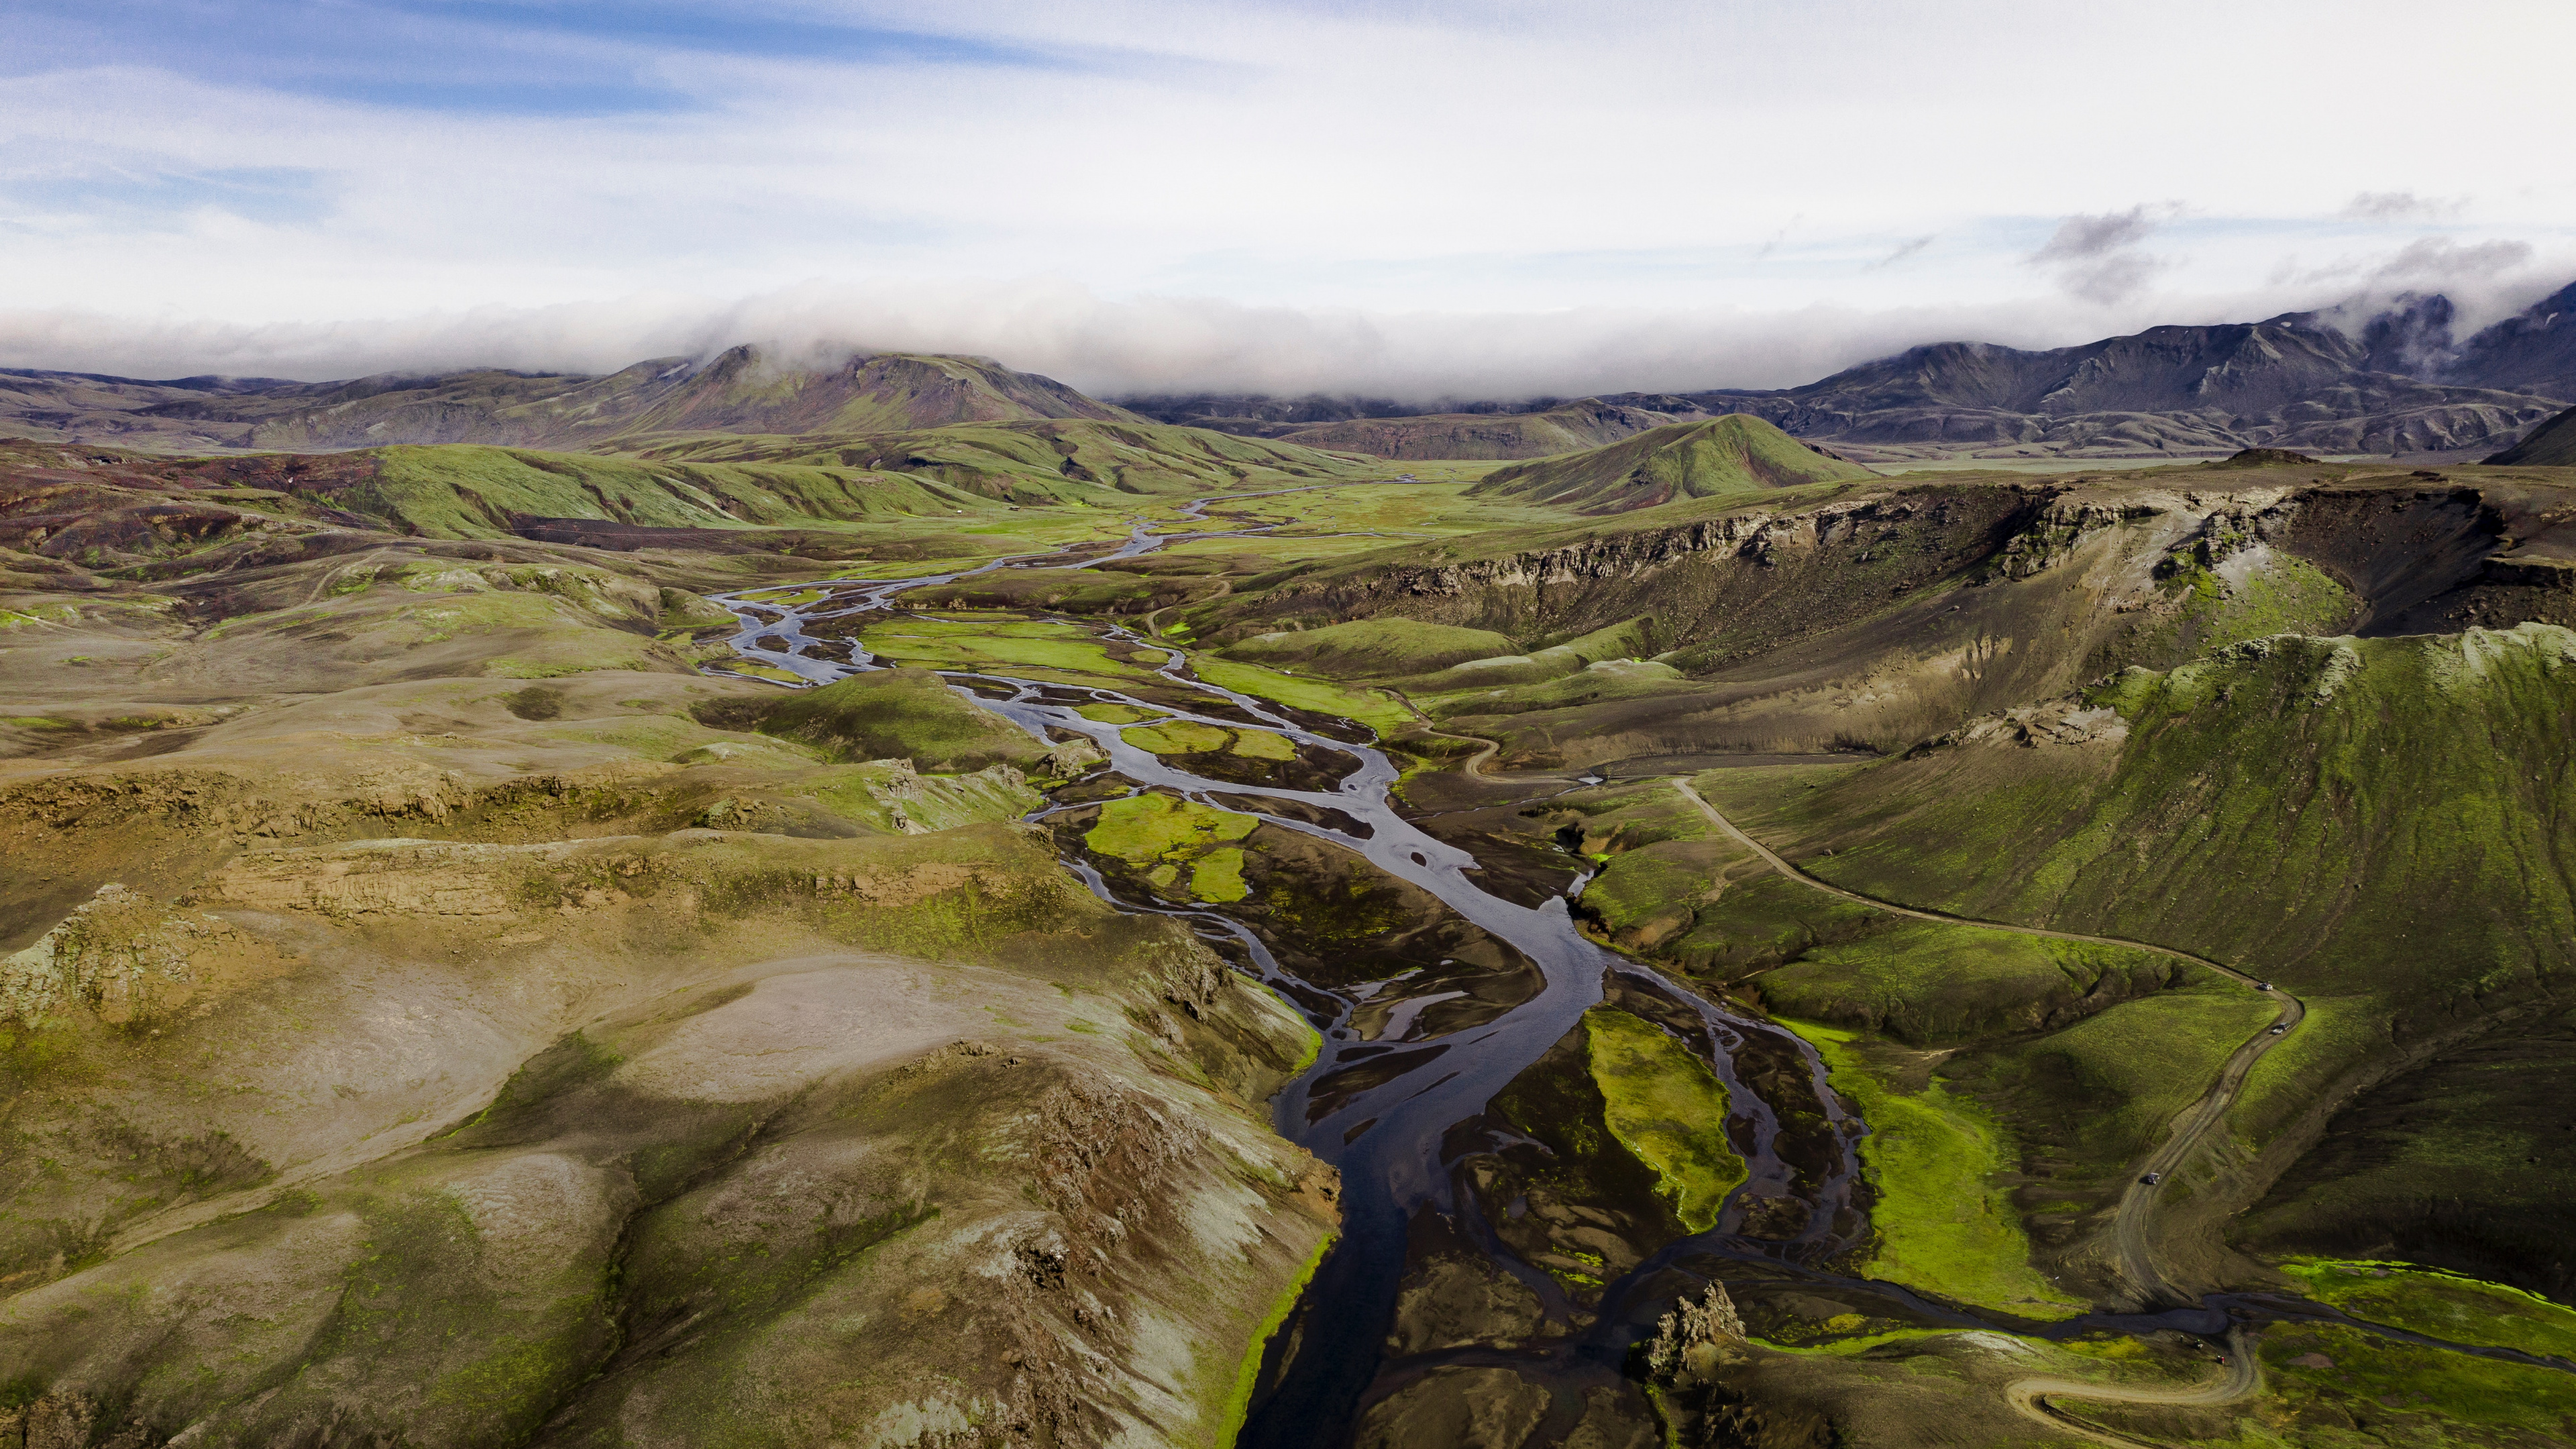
(2396, 384)
(740, 390)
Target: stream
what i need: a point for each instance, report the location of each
(1398, 1143)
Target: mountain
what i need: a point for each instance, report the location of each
(2291, 381)
(1681, 460)
(739, 391)
(2400, 385)
(2533, 351)
(2551, 445)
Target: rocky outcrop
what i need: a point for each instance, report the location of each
(123, 957)
(1708, 1321)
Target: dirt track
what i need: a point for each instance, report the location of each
(2029, 1397)
(2129, 1232)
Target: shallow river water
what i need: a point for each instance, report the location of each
(1401, 1162)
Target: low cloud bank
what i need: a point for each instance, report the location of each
(1125, 347)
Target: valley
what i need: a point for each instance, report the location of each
(874, 923)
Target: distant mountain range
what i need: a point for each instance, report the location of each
(2400, 385)
(2397, 384)
(739, 391)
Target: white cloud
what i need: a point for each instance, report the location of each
(2402, 206)
(1323, 169)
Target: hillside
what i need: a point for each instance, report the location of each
(1044, 457)
(102, 504)
(450, 1037)
(2375, 824)
(1566, 428)
(739, 391)
(2551, 445)
(1678, 460)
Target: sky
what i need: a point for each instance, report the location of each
(1416, 200)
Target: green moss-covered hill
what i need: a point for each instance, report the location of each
(2379, 825)
(1569, 428)
(1733, 454)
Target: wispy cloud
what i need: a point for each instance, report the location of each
(2098, 258)
(2399, 206)
(1115, 345)
(1904, 249)
(2439, 259)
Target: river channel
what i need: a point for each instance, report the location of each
(1398, 1141)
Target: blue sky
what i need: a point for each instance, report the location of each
(1427, 197)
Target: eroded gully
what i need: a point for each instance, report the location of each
(1397, 1143)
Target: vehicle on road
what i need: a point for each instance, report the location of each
(2280, 1028)
(2152, 1178)
(2262, 985)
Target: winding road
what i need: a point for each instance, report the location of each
(2030, 1397)
(1390, 1139)
(2129, 1232)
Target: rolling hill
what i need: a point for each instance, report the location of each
(1735, 454)
(741, 390)
(1565, 428)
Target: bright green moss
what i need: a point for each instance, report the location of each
(1218, 876)
(1667, 1107)
(1943, 1226)
(2440, 1305)
(1163, 835)
(1177, 737)
(1376, 710)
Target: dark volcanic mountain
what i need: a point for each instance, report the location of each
(2534, 351)
(2296, 381)
(2291, 381)
(2399, 385)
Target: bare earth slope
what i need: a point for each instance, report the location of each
(419, 1024)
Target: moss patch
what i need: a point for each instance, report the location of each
(901, 714)
(2440, 1305)
(1942, 1224)
(1668, 1108)
(1378, 711)
(1162, 835)
(1177, 737)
